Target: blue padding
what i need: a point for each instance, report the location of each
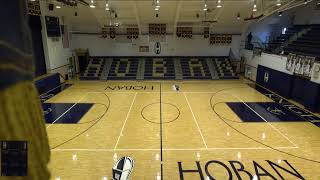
(312, 97)
(48, 94)
(306, 93)
(47, 83)
(279, 82)
(297, 88)
(304, 114)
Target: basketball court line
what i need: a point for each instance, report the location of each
(52, 89)
(202, 149)
(134, 98)
(168, 81)
(315, 121)
(71, 107)
(290, 101)
(195, 120)
(161, 141)
(264, 119)
(171, 149)
(68, 109)
(167, 92)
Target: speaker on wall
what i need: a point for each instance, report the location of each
(51, 7)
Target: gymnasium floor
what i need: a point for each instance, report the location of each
(200, 130)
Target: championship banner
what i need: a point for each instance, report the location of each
(308, 66)
(300, 65)
(316, 71)
(290, 62)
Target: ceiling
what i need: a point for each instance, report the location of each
(172, 12)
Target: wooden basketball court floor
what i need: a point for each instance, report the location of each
(169, 132)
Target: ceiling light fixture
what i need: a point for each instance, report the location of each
(205, 8)
(92, 4)
(157, 5)
(58, 6)
(219, 4)
(107, 6)
(238, 16)
(278, 2)
(254, 8)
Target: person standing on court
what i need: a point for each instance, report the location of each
(249, 39)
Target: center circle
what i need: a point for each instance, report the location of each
(169, 112)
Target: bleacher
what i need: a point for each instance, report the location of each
(195, 68)
(123, 69)
(132, 68)
(308, 44)
(224, 68)
(94, 69)
(276, 43)
(159, 68)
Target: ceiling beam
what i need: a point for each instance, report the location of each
(287, 6)
(136, 12)
(176, 18)
(219, 13)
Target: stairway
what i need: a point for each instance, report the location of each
(212, 69)
(141, 69)
(178, 69)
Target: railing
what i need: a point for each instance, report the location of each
(259, 45)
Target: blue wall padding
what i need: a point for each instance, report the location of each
(47, 83)
(278, 82)
(293, 87)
